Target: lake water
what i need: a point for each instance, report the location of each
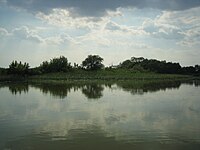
(120, 116)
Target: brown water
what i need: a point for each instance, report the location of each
(126, 115)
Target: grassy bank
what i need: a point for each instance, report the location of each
(104, 75)
(4, 78)
(118, 74)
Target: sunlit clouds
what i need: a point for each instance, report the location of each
(115, 30)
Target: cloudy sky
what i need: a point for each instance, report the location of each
(37, 30)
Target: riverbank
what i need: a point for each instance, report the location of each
(104, 75)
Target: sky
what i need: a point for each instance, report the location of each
(34, 31)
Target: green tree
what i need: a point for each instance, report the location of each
(45, 67)
(56, 65)
(126, 64)
(18, 68)
(93, 62)
(142, 64)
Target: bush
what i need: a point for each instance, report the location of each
(55, 65)
(18, 68)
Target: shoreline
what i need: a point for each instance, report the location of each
(96, 77)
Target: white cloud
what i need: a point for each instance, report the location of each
(3, 32)
(60, 39)
(101, 31)
(27, 34)
(114, 13)
(64, 18)
(121, 33)
(114, 27)
(161, 27)
(54, 40)
(183, 26)
(32, 35)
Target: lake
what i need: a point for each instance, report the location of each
(141, 115)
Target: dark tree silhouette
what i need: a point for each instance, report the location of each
(188, 70)
(18, 68)
(56, 65)
(153, 65)
(93, 62)
(3, 71)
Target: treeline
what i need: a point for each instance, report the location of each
(157, 66)
(60, 64)
(95, 62)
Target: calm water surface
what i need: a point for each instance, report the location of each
(129, 115)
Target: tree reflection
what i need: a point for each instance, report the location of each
(93, 91)
(59, 90)
(18, 88)
(196, 83)
(141, 87)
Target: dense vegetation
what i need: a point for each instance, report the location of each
(18, 68)
(157, 66)
(60, 64)
(93, 65)
(2, 71)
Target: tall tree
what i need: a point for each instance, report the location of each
(60, 64)
(93, 62)
(18, 68)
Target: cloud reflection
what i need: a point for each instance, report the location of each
(157, 116)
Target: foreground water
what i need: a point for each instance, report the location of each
(129, 115)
